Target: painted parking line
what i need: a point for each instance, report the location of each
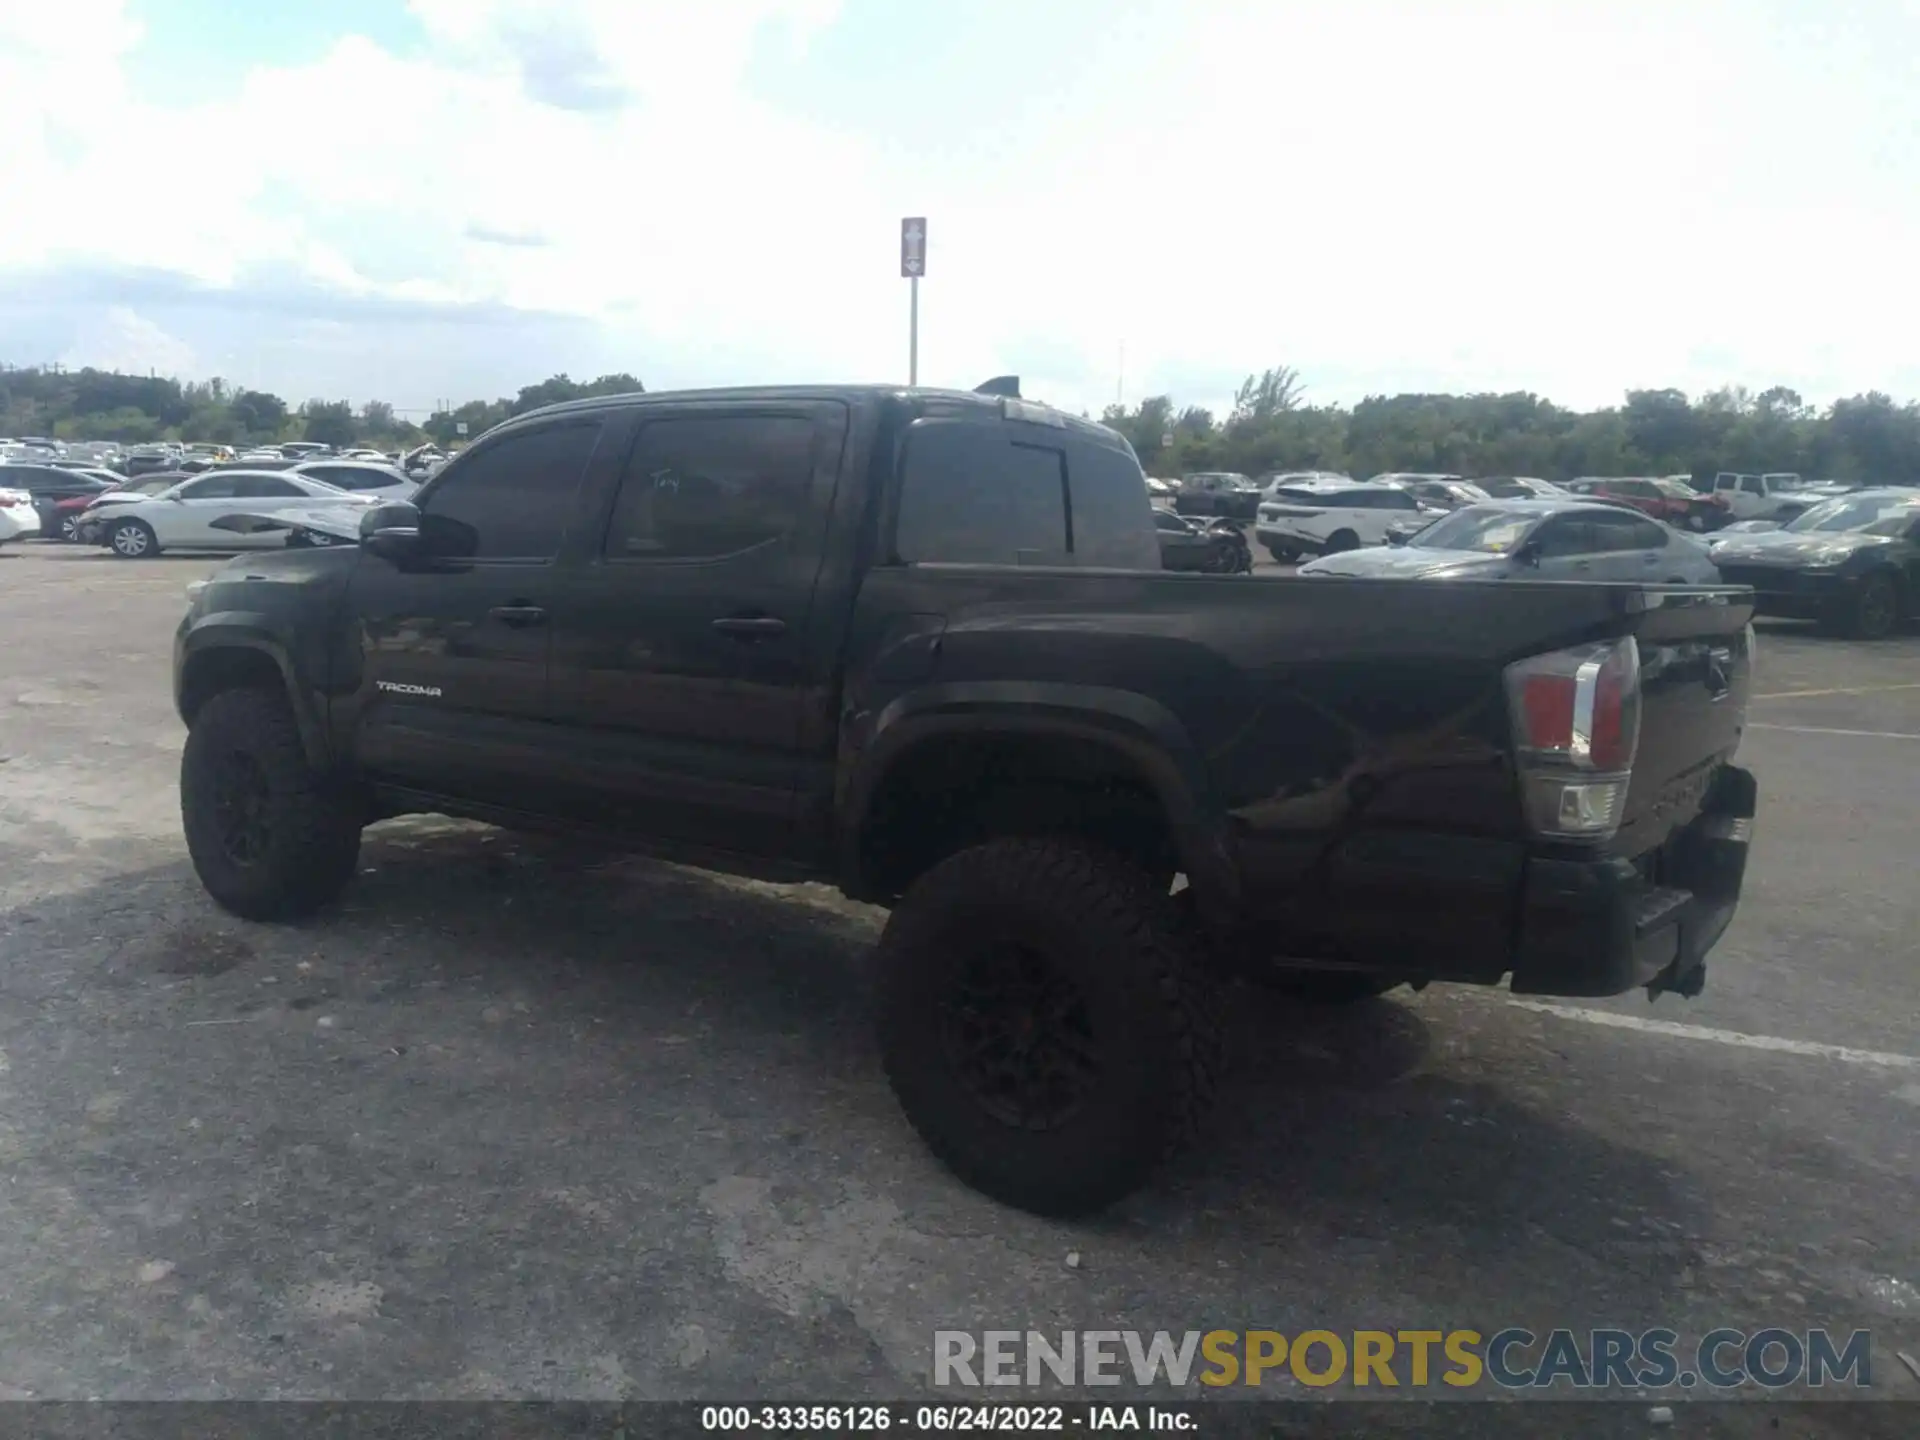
(1839, 690)
(1827, 730)
(1846, 1054)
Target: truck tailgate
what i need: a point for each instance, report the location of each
(1696, 677)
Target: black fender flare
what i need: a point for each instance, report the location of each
(1139, 730)
(222, 633)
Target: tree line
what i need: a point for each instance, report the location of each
(1654, 432)
(1271, 426)
(93, 404)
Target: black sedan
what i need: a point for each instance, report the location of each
(1193, 545)
(1852, 563)
(49, 485)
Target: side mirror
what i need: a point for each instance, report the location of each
(1396, 537)
(392, 531)
(1528, 554)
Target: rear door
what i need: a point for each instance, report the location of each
(1566, 546)
(266, 494)
(185, 518)
(682, 677)
(1626, 546)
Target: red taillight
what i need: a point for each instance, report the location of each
(1547, 701)
(1576, 721)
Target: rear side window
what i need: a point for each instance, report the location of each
(713, 485)
(1624, 532)
(265, 487)
(214, 487)
(1110, 508)
(1567, 535)
(509, 498)
(970, 496)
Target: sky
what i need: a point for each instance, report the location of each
(417, 200)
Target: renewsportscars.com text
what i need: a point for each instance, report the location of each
(1513, 1359)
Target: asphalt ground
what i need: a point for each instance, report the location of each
(522, 1120)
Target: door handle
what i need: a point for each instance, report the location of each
(520, 617)
(750, 627)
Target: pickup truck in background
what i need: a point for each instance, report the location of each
(917, 643)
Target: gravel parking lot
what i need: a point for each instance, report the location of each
(522, 1120)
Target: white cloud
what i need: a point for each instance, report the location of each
(1569, 198)
(121, 339)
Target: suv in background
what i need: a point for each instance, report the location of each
(1754, 497)
(1324, 517)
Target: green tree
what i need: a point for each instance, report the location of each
(328, 422)
(259, 413)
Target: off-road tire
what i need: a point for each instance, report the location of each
(1098, 922)
(312, 829)
(1340, 542)
(1869, 611)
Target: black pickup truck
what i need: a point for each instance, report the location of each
(917, 642)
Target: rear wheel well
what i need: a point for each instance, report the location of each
(945, 795)
(212, 672)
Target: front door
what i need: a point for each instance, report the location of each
(683, 670)
(452, 693)
(187, 516)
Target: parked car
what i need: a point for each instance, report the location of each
(1662, 499)
(1852, 563)
(19, 519)
(1279, 479)
(1016, 759)
(1535, 540)
(1217, 492)
(147, 462)
(89, 526)
(1446, 494)
(180, 518)
(382, 482)
(1328, 516)
(1216, 547)
(1521, 487)
(305, 449)
(49, 485)
(1754, 497)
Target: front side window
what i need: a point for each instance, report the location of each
(703, 487)
(214, 487)
(1753, 486)
(1482, 528)
(969, 495)
(266, 487)
(509, 499)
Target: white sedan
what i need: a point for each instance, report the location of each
(182, 518)
(18, 517)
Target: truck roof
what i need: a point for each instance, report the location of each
(930, 399)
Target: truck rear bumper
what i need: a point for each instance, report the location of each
(1603, 927)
